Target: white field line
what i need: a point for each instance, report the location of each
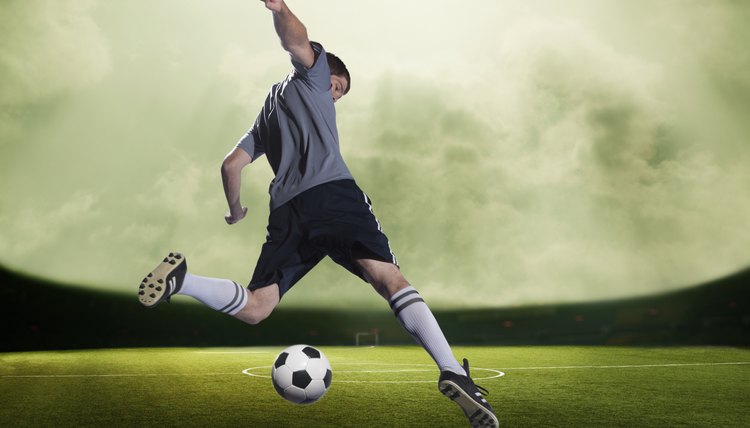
(630, 366)
(498, 373)
(119, 375)
(387, 371)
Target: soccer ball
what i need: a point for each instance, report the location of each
(301, 374)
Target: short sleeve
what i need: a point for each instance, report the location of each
(251, 144)
(318, 76)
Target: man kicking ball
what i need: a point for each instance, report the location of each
(317, 210)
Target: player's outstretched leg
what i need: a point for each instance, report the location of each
(171, 277)
(164, 281)
(463, 391)
(455, 382)
(417, 319)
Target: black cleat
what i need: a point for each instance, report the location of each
(470, 397)
(169, 275)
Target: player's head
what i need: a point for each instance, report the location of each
(341, 82)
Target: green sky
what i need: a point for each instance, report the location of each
(516, 151)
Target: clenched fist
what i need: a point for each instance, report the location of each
(274, 5)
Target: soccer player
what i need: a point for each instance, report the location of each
(317, 210)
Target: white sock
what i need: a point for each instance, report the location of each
(416, 318)
(218, 294)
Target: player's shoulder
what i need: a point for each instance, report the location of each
(319, 69)
(317, 47)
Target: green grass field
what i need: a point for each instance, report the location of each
(382, 386)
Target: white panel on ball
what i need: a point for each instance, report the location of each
(295, 395)
(317, 368)
(315, 390)
(296, 360)
(283, 377)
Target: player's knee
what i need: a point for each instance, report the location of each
(253, 317)
(395, 287)
(390, 285)
(260, 304)
(254, 313)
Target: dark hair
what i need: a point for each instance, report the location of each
(339, 69)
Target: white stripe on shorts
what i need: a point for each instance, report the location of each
(380, 228)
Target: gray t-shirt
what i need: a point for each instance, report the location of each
(296, 129)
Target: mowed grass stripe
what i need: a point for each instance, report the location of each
(543, 386)
(474, 369)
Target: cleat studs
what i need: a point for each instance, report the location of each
(152, 295)
(171, 254)
(141, 293)
(172, 262)
(178, 257)
(150, 275)
(142, 286)
(160, 281)
(151, 286)
(165, 260)
(158, 288)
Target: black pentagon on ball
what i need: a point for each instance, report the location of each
(301, 379)
(327, 378)
(278, 389)
(280, 360)
(311, 352)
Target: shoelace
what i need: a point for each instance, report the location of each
(483, 391)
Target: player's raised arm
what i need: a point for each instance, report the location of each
(292, 33)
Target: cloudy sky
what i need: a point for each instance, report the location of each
(516, 151)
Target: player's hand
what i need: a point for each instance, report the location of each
(233, 218)
(274, 5)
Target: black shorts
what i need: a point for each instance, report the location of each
(334, 219)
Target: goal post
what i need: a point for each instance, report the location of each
(366, 338)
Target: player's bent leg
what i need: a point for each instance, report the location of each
(170, 277)
(260, 303)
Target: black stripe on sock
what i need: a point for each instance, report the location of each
(401, 297)
(234, 300)
(409, 303)
(239, 302)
